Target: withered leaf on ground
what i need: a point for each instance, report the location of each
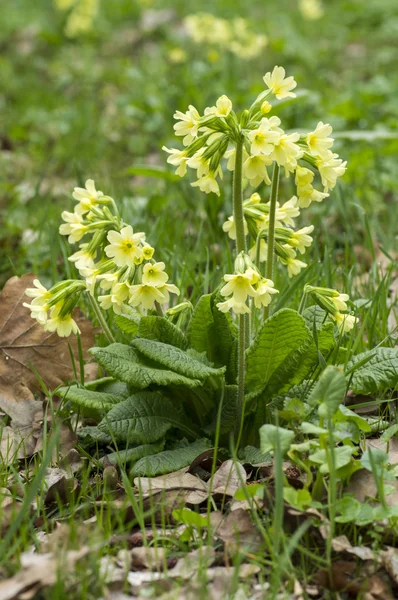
(237, 531)
(196, 489)
(228, 478)
(22, 437)
(24, 343)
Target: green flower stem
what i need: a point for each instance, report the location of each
(271, 229)
(104, 325)
(244, 324)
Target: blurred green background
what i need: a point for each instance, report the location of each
(89, 88)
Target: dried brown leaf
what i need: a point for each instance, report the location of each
(196, 489)
(148, 558)
(24, 343)
(238, 531)
(228, 478)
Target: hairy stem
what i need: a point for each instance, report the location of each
(271, 229)
(243, 333)
(104, 325)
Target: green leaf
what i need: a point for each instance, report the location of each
(176, 359)
(190, 518)
(123, 362)
(170, 460)
(329, 391)
(161, 329)
(254, 490)
(350, 415)
(311, 429)
(91, 435)
(314, 315)
(389, 433)
(254, 456)
(342, 456)
(269, 435)
(213, 332)
(378, 374)
(127, 324)
(228, 411)
(375, 460)
(89, 399)
(144, 418)
(128, 455)
(300, 499)
(278, 341)
(348, 508)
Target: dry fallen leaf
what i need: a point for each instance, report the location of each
(147, 557)
(24, 343)
(38, 571)
(391, 448)
(228, 478)
(390, 562)
(195, 489)
(21, 438)
(237, 531)
(362, 485)
(342, 544)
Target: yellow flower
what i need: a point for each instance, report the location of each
(38, 311)
(124, 246)
(153, 274)
(294, 265)
(239, 308)
(311, 9)
(166, 290)
(239, 285)
(340, 301)
(207, 184)
(73, 227)
(278, 85)
(82, 258)
(223, 106)
(230, 155)
(344, 322)
(255, 169)
(64, 325)
(301, 240)
(198, 162)
(263, 251)
(87, 197)
(264, 290)
(187, 124)
(288, 211)
(265, 108)
(147, 252)
(229, 227)
(107, 280)
(263, 139)
(318, 141)
(145, 295)
(40, 294)
(177, 158)
(330, 169)
(286, 152)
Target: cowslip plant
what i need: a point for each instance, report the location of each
(213, 370)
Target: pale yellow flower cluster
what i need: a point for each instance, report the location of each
(335, 304)
(287, 240)
(81, 16)
(245, 283)
(116, 263)
(212, 137)
(234, 36)
(312, 10)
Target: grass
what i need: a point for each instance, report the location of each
(101, 105)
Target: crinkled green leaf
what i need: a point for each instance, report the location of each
(378, 374)
(126, 364)
(130, 455)
(280, 340)
(213, 332)
(175, 359)
(170, 460)
(314, 314)
(162, 330)
(91, 435)
(144, 418)
(127, 324)
(89, 399)
(254, 456)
